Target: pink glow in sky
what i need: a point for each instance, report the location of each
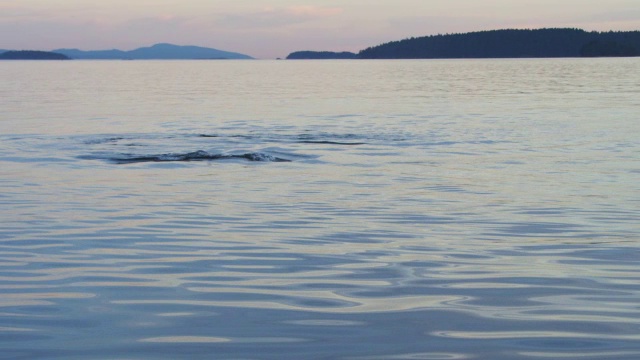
(274, 28)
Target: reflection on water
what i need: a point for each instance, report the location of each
(320, 210)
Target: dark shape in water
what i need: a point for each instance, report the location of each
(199, 155)
(329, 142)
(103, 141)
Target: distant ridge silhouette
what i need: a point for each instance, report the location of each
(161, 51)
(510, 43)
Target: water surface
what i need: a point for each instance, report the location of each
(468, 209)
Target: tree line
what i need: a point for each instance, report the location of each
(510, 43)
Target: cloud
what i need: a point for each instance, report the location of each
(13, 13)
(402, 27)
(98, 33)
(314, 11)
(277, 17)
(613, 16)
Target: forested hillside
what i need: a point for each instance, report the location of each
(510, 44)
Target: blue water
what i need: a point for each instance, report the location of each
(470, 209)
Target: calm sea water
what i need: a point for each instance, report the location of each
(484, 209)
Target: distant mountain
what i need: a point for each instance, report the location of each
(323, 55)
(510, 44)
(169, 51)
(155, 52)
(93, 55)
(31, 55)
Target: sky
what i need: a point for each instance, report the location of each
(268, 29)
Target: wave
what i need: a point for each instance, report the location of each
(199, 155)
(327, 142)
(321, 138)
(256, 145)
(103, 140)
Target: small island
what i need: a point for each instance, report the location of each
(320, 55)
(32, 55)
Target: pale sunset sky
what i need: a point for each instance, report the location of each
(273, 28)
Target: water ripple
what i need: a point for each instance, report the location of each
(426, 210)
(199, 155)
